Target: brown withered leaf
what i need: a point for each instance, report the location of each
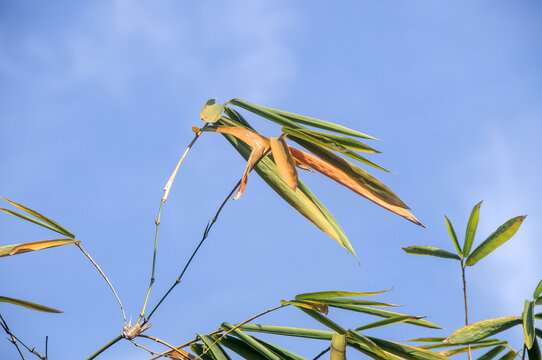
(284, 161)
(342, 178)
(9, 250)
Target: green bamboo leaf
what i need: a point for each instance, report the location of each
(462, 350)
(338, 347)
(59, 228)
(538, 315)
(29, 305)
(538, 290)
(453, 235)
(510, 355)
(308, 304)
(214, 348)
(430, 251)
(283, 353)
(211, 111)
(350, 301)
(289, 331)
(330, 294)
(492, 353)
(501, 235)
(388, 321)
(264, 351)
(538, 332)
(28, 218)
(538, 301)
(429, 339)
(340, 140)
(483, 329)
(240, 348)
(9, 250)
(481, 343)
(234, 115)
(368, 345)
(405, 351)
(528, 324)
(279, 116)
(534, 351)
(328, 144)
(323, 320)
(198, 349)
(471, 229)
(301, 199)
(384, 314)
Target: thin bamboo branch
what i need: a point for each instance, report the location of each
(466, 302)
(8, 331)
(144, 348)
(105, 278)
(105, 347)
(46, 346)
(322, 353)
(167, 189)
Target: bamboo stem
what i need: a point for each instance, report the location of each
(105, 347)
(13, 339)
(105, 278)
(466, 302)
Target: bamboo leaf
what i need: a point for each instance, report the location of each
(471, 229)
(482, 344)
(215, 349)
(355, 179)
(384, 314)
(492, 353)
(283, 353)
(483, 329)
(339, 140)
(240, 348)
(510, 355)
(289, 331)
(323, 320)
(534, 351)
(9, 250)
(528, 324)
(538, 301)
(335, 301)
(329, 294)
(405, 351)
(538, 290)
(313, 305)
(388, 321)
(368, 345)
(284, 161)
(462, 350)
(29, 305)
(538, 332)
(430, 251)
(211, 111)
(538, 315)
(278, 116)
(337, 350)
(198, 348)
(264, 351)
(501, 235)
(429, 339)
(234, 115)
(453, 235)
(28, 218)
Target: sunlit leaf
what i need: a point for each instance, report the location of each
(179, 354)
(501, 235)
(30, 219)
(368, 345)
(211, 111)
(59, 228)
(324, 320)
(510, 355)
(241, 348)
(264, 351)
(482, 343)
(483, 329)
(538, 290)
(280, 116)
(492, 353)
(405, 351)
(528, 324)
(430, 251)
(355, 179)
(388, 321)
(283, 353)
(214, 348)
(329, 294)
(428, 339)
(538, 301)
(29, 305)
(339, 140)
(284, 161)
(9, 250)
(313, 305)
(471, 229)
(453, 235)
(198, 348)
(289, 331)
(462, 350)
(338, 347)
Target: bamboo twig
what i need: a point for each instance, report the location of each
(167, 189)
(322, 353)
(105, 347)
(105, 278)
(8, 331)
(144, 348)
(466, 303)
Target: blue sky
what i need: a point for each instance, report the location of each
(96, 104)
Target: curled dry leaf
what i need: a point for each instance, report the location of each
(9, 250)
(284, 161)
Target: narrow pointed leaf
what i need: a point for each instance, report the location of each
(313, 305)
(366, 185)
(538, 332)
(368, 345)
(534, 351)
(264, 351)
(482, 329)
(492, 353)
(329, 294)
(430, 251)
(528, 324)
(538, 315)
(29, 305)
(335, 301)
(339, 140)
(60, 228)
(9, 250)
(338, 347)
(236, 116)
(384, 314)
(284, 161)
(471, 229)
(429, 339)
(241, 348)
(510, 355)
(482, 344)
(453, 235)
(283, 353)
(289, 331)
(388, 321)
(214, 348)
(499, 237)
(211, 111)
(198, 348)
(462, 350)
(324, 320)
(296, 118)
(28, 218)
(538, 290)
(405, 351)
(538, 301)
